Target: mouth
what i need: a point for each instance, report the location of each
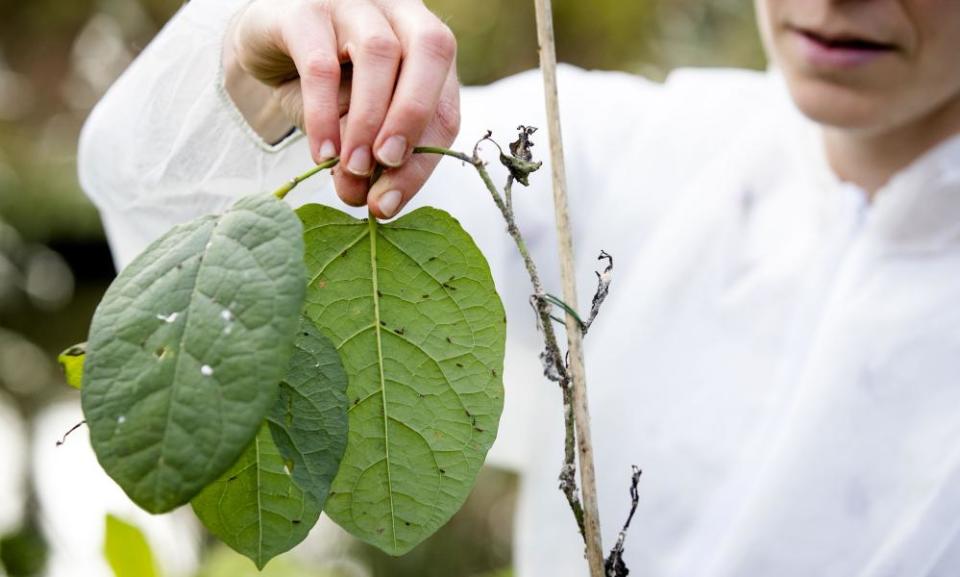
(840, 50)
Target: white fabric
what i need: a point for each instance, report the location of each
(779, 356)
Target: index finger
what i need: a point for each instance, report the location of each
(312, 44)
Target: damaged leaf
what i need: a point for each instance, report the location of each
(187, 347)
(412, 309)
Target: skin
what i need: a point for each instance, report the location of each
(366, 79)
(356, 74)
(881, 115)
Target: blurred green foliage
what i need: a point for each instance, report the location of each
(23, 553)
(126, 550)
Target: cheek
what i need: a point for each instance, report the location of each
(766, 16)
(935, 78)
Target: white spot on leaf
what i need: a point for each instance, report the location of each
(169, 318)
(121, 420)
(227, 317)
(206, 370)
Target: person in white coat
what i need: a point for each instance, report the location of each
(780, 352)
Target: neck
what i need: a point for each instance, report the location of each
(870, 160)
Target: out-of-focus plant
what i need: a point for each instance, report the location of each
(129, 554)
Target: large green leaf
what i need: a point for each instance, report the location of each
(255, 507)
(412, 308)
(127, 550)
(309, 420)
(187, 348)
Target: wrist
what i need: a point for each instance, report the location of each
(252, 98)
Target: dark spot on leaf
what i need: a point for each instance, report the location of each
(478, 429)
(379, 294)
(296, 521)
(407, 523)
(449, 340)
(356, 401)
(344, 253)
(460, 365)
(233, 478)
(398, 331)
(431, 259)
(160, 352)
(443, 472)
(383, 324)
(380, 531)
(493, 372)
(306, 334)
(425, 296)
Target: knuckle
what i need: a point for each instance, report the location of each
(448, 118)
(363, 126)
(381, 47)
(438, 41)
(414, 110)
(323, 67)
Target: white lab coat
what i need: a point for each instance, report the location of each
(781, 357)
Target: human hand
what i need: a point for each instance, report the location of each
(366, 79)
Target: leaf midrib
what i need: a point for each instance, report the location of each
(374, 277)
(260, 562)
(182, 337)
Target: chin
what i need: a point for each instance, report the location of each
(839, 106)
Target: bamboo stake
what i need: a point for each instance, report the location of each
(591, 514)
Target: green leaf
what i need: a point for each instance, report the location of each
(268, 501)
(255, 507)
(71, 361)
(127, 550)
(413, 311)
(187, 347)
(309, 420)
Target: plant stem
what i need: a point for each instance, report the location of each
(555, 368)
(540, 304)
(293, 182)
(548, 64)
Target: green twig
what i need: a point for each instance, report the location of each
(293, 182)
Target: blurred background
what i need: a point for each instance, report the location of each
(56, 59)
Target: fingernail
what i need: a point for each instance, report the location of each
(393, 151)
(389, 202)
(360, 161)
(327, 150)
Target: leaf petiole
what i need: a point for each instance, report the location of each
(293, 182)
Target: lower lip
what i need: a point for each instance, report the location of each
(822, 55)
